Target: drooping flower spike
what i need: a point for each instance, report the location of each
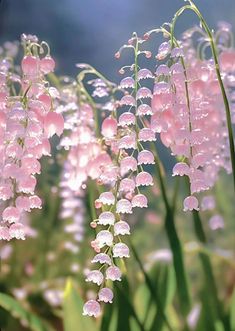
(188, 113)
(28, 120)
(124, 134)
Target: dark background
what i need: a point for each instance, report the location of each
(93, 30)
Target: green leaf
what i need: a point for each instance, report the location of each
(126, 309)
(154, 293)
(164, 282)
(33, 322)
(109, 320)
(232, 311)
(72, 308)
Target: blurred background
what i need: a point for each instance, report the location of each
(93, 30)
(35, 271)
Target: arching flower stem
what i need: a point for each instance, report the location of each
(208, 31)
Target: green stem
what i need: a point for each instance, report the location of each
(153, 292)
(207, 266)
(175, 244)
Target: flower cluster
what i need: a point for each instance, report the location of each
(124, 133)
(188, 113)
(27, 123)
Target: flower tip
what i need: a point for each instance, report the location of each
(117, 55)
(146, 36)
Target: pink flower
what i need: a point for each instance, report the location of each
(105, 295)
(102, 258)
(17, 230)
(109, 127)
(144, 110)
(128, 163)
(120, 250)
(144, 179)
(104, 238)
(30, 65)
(146, 134)
(145, 157)
(121, 228)
(11, 214)
(47, 65)
(107, 198)
(91, 308)
(190, 203)
(106, 218)
(139, 200)
(127, 185)
(95, 276)
(4, 233)
(180, 169)
(53, 124)
(124, 206)
(113, 273)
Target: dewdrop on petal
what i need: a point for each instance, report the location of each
(180, 169)
(102, 258)
(124, 207)
(113, 273)
(92, 308)
(106, 218)
(145, 157)
(144, 179)
(140, 201)
(121, 228)
(105, 295)
(191, 203)
(95, 276)
(121, 250)
(107, 198)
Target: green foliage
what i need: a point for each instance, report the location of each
(72, 311)
(29, 319)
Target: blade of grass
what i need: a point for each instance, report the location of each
(175, 244)
(152, 290)
(126, 305)
(210, 282)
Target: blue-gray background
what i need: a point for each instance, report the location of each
(92, 30)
